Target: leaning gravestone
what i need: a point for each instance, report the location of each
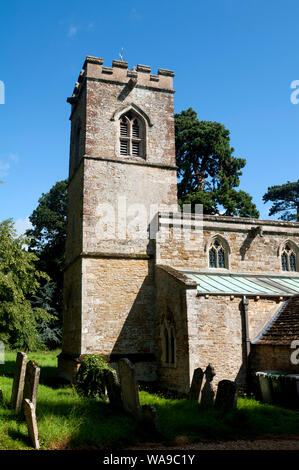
(31, 382)
(29, 410)
(226, 397)
(196, 384)
(18, 381)
(207, 394)
(128, 384)
(113, 389)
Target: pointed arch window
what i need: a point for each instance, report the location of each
(169, 340)
(132, 135)
(288, 258)
(218, 254)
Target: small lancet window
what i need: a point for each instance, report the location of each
(169, 340)
(288, 258)
(132, 141)
(166, 345)
(172, 347)
(217, 255)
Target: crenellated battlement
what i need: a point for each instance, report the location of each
(119, 73)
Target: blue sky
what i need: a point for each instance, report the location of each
(234, 63)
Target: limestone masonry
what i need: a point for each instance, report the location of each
(130, 291)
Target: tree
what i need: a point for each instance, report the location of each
(50, 332)
(47, 237)
(285, 199)
(19, 280)
(207, 170)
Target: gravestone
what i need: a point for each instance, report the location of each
(31, 382)
(29, 410)
(18, 381)
(113, 389)
(207, 394)
(129, 390)
(196, 384)
(150, 420)
(226, 397)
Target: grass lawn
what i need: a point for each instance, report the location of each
(66, 420)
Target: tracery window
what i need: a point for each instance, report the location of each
(132, 133)
(217, 255)
(288, 258)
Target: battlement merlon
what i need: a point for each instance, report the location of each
(119, 73)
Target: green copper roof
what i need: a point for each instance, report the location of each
(245, 284)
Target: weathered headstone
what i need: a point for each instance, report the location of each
(226, 397)
(29, 410)
(113, 389)
(129, 390)
(31, 382)
(150, 420)
(18, 381)
(196, 384)
(207, 394)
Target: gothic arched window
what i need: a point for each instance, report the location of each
(131, 135)
(169, 340)
(218, 255)
(288, 258)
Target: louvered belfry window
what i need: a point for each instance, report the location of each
(131, 136)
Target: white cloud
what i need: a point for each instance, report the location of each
(135, 15)
(21, 225)
(72, 31)
(4, 167)
(14, 157)
(90, 27)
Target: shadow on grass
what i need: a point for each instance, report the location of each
(20, 436)
(89, 423)
(249, 420)
(48, 375)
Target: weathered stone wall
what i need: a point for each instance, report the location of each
(215, 335)
(138, 189)
(249, 251)
(102, 129)
(171, 294)
(117, 290)
(78, 128)
(208, 330)
(272, 357)
(117, 306)
(260, 313)
(74, 238)
(72, 305)
(118, 309)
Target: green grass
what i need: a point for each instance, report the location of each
(66, 420)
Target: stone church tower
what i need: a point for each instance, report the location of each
(122, 155)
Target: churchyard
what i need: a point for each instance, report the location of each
(66, 420)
